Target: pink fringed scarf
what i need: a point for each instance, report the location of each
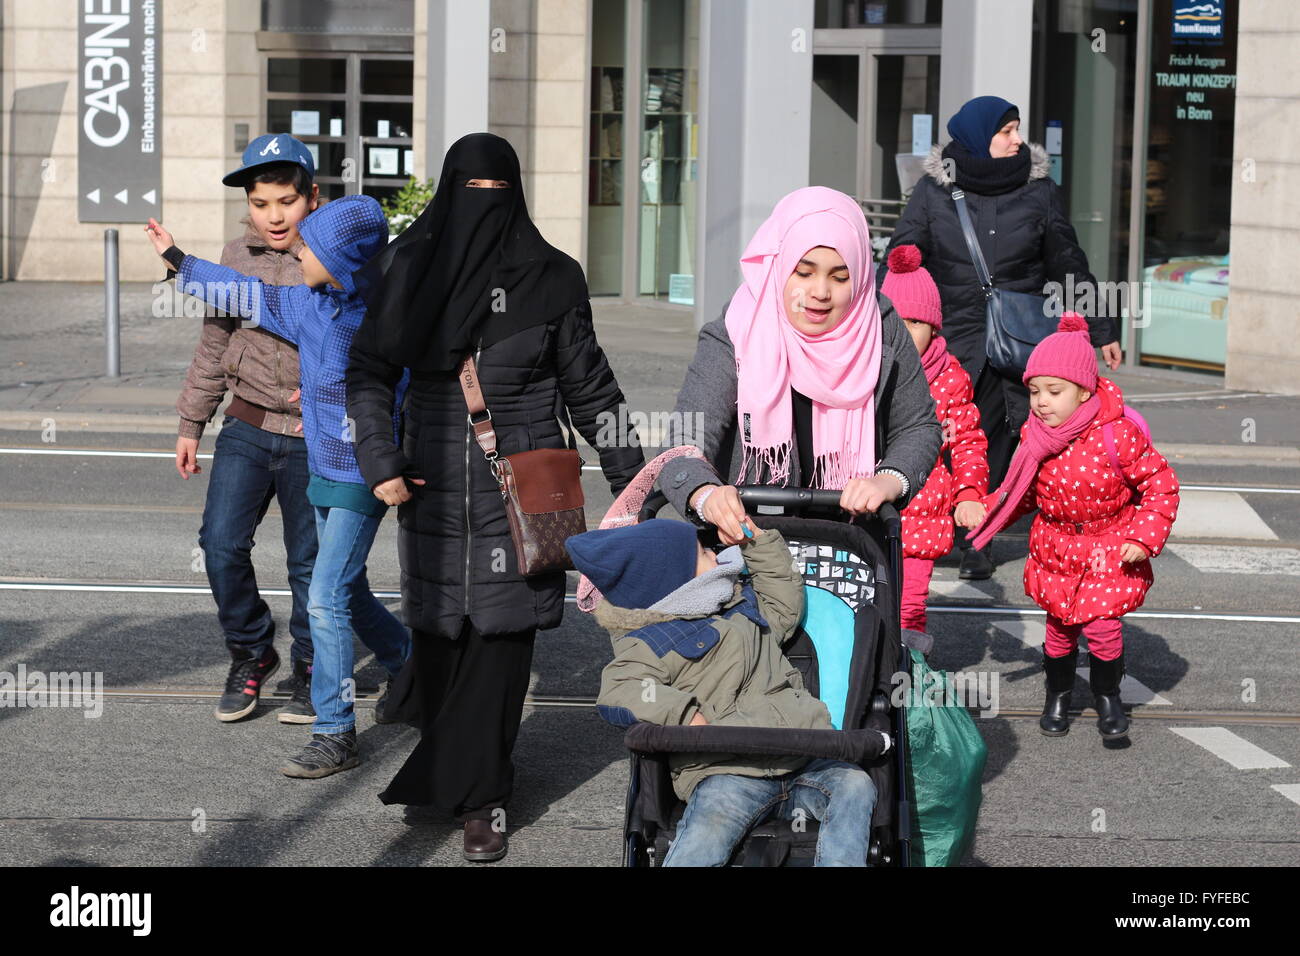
(1040, 443)
(838, 370)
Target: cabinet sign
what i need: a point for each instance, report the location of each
(119, 110)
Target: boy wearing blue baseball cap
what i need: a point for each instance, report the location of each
(260, 453)
(321, 316)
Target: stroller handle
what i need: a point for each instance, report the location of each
(788, 497)
(781, 497)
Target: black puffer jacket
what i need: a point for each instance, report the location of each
(1026, 239)
(454, 529)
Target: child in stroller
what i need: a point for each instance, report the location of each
(694, 645)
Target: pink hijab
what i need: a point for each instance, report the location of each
(837, 370)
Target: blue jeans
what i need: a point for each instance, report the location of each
(249, 468)
(340, 602)
(725, 806)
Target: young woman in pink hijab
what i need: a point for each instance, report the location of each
(808, 379)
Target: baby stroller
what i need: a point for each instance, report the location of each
(847, 650)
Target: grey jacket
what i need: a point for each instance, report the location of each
(908, 433)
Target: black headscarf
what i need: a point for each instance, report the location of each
(472, 267)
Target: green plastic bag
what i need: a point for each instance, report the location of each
(945, 769)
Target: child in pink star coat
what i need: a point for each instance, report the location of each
(928, 518)
(1106, 502)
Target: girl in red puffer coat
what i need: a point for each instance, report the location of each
(1106, 502)
(928, 518)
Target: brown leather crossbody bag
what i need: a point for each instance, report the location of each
(541, 489)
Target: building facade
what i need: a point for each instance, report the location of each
(655, 135)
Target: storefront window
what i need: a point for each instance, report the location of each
(605, 150)
(1189, 175)
(352, 110)
(835, 14)
(1084, 61)
(668, 150)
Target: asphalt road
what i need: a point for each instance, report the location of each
(97, 575)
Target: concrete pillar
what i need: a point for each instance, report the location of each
(987, 50)
(456, 40)
(1263, 350)
(755, 123)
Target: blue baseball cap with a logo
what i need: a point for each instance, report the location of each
(267, 149)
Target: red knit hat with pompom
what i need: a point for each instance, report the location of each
(1067, 353)
(911, 289)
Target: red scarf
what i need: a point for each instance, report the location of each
(1039, 443)
(935, 359)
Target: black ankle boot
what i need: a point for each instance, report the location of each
(1059, 672)
(1104, 678)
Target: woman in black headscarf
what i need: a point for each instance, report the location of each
(472, 275)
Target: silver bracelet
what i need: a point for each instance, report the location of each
(902, 478)
(698, 507)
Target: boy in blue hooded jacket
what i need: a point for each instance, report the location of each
(320, 317)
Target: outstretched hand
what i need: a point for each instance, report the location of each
(162, 239)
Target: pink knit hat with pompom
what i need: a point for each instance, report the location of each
(1067, 353)
(911, 289)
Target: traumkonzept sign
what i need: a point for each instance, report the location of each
(119, 110)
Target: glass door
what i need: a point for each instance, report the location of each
(352, 111)
(874, 115)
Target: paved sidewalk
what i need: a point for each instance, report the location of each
(53, 370)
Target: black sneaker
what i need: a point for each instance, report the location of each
(381, 705)
(244, 683)
(299, 709)
(976, 565)
(324, 754)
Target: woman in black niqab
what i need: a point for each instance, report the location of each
(472, 269)
(472, 275)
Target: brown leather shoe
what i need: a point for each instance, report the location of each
(482, 843)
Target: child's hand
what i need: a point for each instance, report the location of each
(698, 720)
(970, 514)
(187, 457)
(1131, 552)
(160, 237)
(296, 396)
(394, 490)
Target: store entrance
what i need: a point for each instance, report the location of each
(875, 104)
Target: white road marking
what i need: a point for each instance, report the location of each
(94, 453)
(958, 589)
(1230, 559)
(1008, 610)
(1029, 633)
(1243, 489)
(1289, 790)
(1132, 690)
(1218, 514)
(109, 453)
(1226, 745)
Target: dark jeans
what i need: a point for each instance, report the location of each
(249, 468)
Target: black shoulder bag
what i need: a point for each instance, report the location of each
(1014, 321)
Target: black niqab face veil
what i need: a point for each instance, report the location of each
(471, 269)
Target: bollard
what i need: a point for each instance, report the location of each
(112, 318)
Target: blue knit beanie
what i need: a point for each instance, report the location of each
(978, 120)
(637, 565)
